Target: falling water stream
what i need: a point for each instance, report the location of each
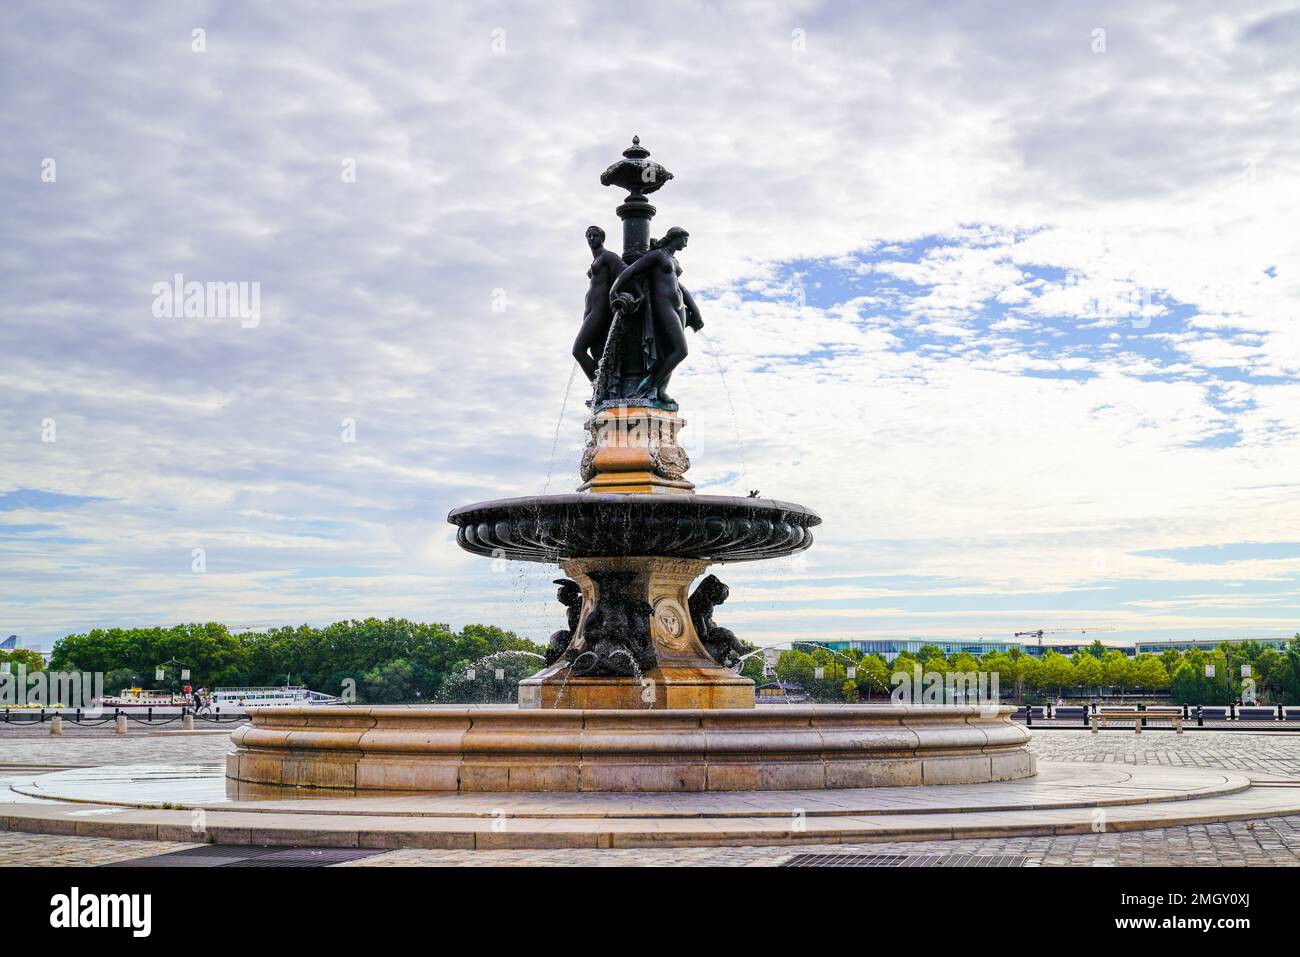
(739, 666)
(568, 673)
(559, 422)
(735, 419)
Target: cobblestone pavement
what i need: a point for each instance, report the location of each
(1259, 756)
(48, 850)
(1265, 757)
(1273, 841)
(23, 748)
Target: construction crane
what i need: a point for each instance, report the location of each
(1058, 631)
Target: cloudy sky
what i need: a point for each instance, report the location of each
(1006, 292)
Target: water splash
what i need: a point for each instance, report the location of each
(853, 662)
(568, 673)
(636, 670)
(508, 652)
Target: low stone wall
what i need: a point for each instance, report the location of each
(507, 749)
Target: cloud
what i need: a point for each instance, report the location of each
(1008, 312)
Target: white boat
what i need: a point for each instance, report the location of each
(140, 698)
(282, 697)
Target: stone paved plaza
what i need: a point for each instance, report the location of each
(1264, 757)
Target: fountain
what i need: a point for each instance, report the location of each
(637, 692)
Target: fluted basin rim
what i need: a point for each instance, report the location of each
(659, 499)
(552, 528)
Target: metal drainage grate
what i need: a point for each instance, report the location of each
(307, 857)
(905, 860)
(232, 855)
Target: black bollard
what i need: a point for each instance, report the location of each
(1200, 717)
(1281, 715)
(1085, 716)
(1232, 711)
(1029, 714)
(78, 717)
(42, 716)
(1142, 707)
(1185, 714)
(148, 715)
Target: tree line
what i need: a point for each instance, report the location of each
(396, 660)
(1274, 676)
(382, 661)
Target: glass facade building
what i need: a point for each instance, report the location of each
(891, 648)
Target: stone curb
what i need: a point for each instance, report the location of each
(390, 832)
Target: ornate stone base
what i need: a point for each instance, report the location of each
(507, 749)
(634, 450)
(635, 646)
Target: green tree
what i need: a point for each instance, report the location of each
(1056, 672)
(390, 659)
(32, 660)
(1115, 670)
(931, 651)
(391, 682)
(872, 676)
(1149, 673)
(752, 668)
(1185, 685)
(1012, 669)
(1088, 672)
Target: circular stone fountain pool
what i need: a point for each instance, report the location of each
(516, 749)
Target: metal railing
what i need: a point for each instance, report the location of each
(1219, 714)
(77, 717)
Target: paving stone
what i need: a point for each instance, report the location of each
(48, 850)
(1263, 757)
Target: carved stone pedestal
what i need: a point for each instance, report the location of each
(634, 450)
(635, 646)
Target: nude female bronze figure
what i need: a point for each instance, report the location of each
(668, 309)
(597, 314)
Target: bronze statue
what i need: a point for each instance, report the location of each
(617, 632)
(721, 643)
(667, 308)
(598, 314)
(570, 596)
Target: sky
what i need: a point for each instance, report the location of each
(1007, 293)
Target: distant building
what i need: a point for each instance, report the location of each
(9, 644)
(779, 691)
(1069, 649)
(891, 648)
(1157, 647)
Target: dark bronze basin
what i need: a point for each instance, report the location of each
(718, 528)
